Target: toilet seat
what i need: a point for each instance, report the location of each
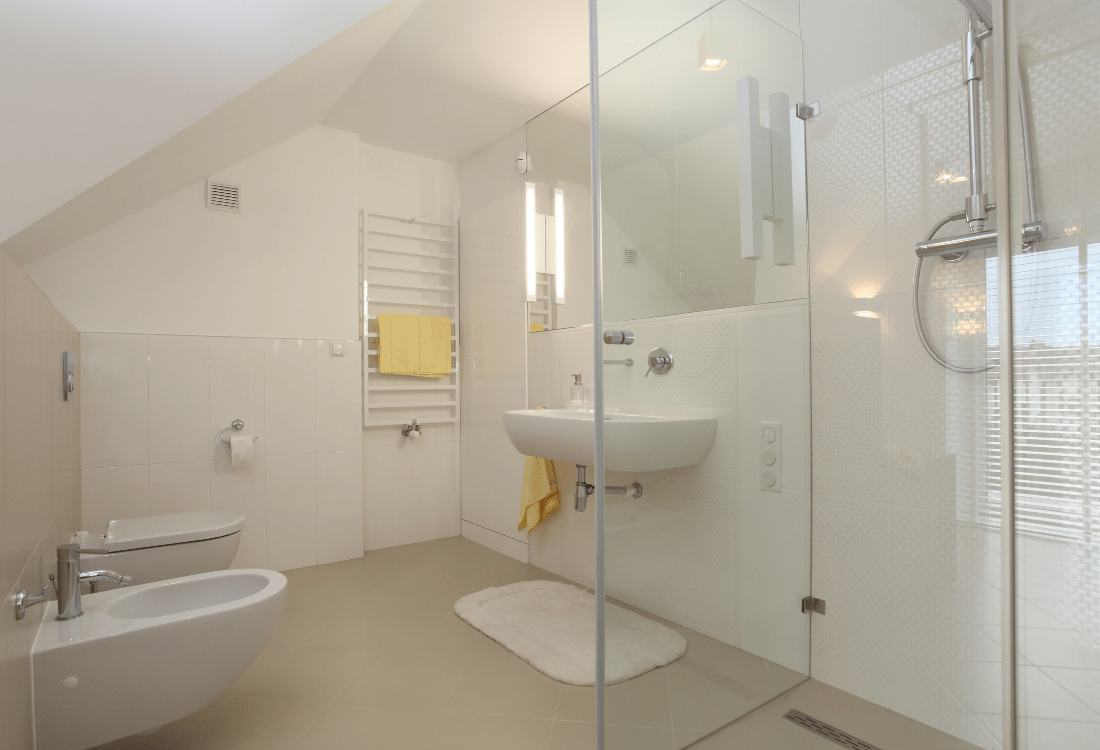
(160, 531)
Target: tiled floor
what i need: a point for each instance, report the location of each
(369, 654)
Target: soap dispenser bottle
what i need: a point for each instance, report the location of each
(576, 394)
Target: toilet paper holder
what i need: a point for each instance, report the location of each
(236, 424)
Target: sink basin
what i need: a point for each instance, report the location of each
(144, 656)
(632, 442)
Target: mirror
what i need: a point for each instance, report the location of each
(704, 179)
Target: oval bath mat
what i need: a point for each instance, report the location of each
(552, 626)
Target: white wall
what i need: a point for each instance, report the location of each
(286, 266)
(704, 547)
(411, 487)
(494, 326)
(152, 410)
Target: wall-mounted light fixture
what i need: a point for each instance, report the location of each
(712, 51)
(532, 262)
(559, 246)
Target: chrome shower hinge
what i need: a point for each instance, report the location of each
(810, 604)
(806, 111)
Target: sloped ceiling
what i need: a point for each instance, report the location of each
(458, 75)
(102, 146)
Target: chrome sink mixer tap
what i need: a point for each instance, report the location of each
(69, 578)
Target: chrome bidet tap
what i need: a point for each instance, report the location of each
(69, 577)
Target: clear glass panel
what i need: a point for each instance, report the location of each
(698, 134)
(1056, 293)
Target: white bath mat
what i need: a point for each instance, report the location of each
(552, 626)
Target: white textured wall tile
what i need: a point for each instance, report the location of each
(339, 506)
(114, 408)
(179, 398)
(236, 391)
(851, 643)
(290, 407)
(544, 371)
(844, 157)
(291, 510)
(381, 497)
(849, 398)
(113, 493)
(934, 30)
(242, 490)
(339, 397)
(179, 488)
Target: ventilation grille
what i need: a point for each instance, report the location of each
(827, 731)
(223, 197)
(630, 256)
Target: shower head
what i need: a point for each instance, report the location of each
(983, 9)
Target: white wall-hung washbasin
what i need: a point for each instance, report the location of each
(143, 656)
(632, 442)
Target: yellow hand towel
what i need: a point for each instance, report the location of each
(536, 328)
(414, 345)
(540, 493)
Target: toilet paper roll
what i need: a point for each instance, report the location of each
(240, 450)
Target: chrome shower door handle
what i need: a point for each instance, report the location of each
(618, 337)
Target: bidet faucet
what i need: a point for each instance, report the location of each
(69, 577)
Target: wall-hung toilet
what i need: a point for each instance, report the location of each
(157, 548)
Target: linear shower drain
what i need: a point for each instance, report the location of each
(827, 731)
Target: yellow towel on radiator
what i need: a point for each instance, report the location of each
(415, 345)
(540, 493)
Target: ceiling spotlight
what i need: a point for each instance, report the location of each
(712, 51)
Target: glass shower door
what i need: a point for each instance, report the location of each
(706, 515)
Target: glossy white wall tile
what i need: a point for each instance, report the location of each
(179, 488)
(291, 510)
(290, 403)
(236, 391)
(842, 58)
(339, 506)
(179, 398)
(339, 409)
(381, 497)
(201, 385)
(114, 410)
(243, 490)
(111, 493)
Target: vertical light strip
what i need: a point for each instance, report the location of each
(531, 261)
(597, 356)
(559, 246)
(1006, 68)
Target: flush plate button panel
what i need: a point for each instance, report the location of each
(770, 451)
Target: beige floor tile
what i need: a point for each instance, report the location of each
(386, 601)
(254, 722)
(271, 653)
(709, 702)
(442, 603)
(577, 703)
(163, 736)
(350, 726)
(468, 732)
(450, 636)
(347, 631)
(640, 702)
(310, 673)
(407, 681)
(707, 655)
(500, 687)
(573, 735)
(296, 625)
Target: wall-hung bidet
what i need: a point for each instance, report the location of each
(157, 548)
(140, 657)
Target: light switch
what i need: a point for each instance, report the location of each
(336, 349)
(770, 450)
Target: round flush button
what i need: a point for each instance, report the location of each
(69, 683)
(769, 457)
(768, 479)
(769, 435)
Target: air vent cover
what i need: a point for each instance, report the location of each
(223, 197)
(630, 256)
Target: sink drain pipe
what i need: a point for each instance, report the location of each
(584, 489)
